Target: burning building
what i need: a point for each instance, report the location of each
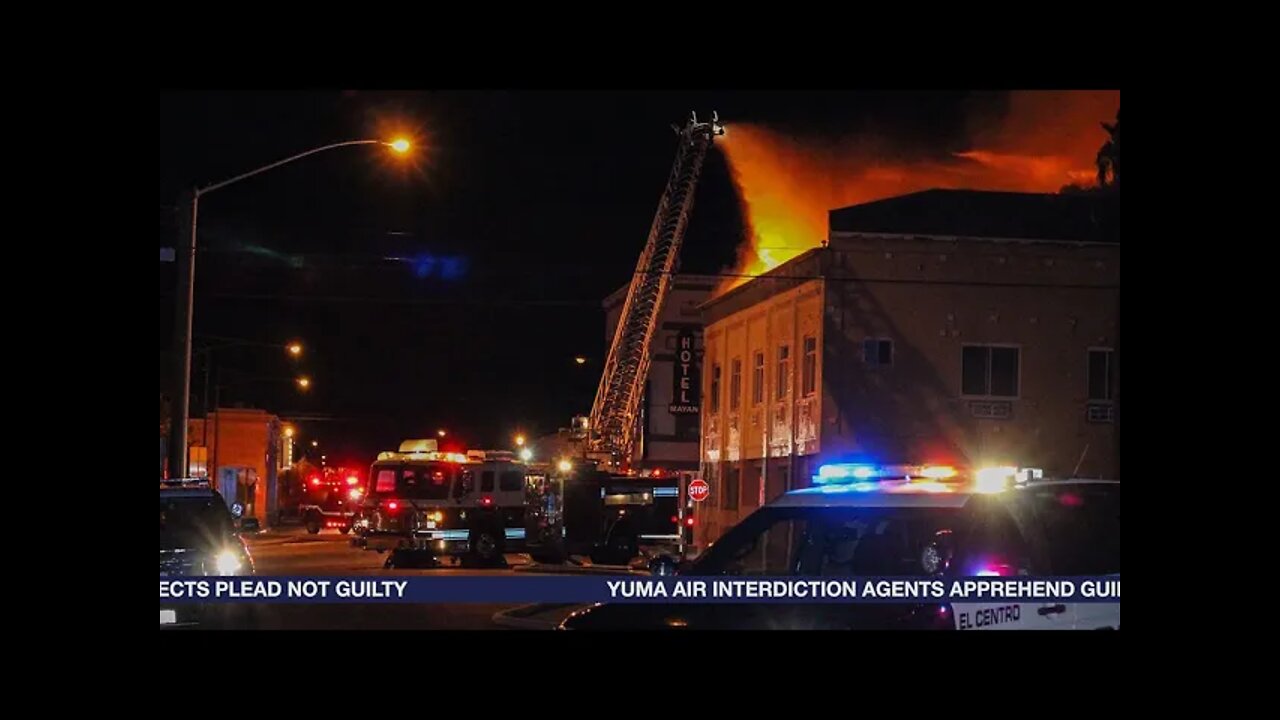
(945, 326)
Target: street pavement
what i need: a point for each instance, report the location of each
(292, 551)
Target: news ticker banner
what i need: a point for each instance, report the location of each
(633, 589)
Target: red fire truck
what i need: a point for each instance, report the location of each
(329, 497)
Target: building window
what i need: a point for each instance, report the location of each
(784, 371)
(732, 483)
(735, 385)
(877, 352)
(809, 379)
(989, 371)
(715, 388)
(1102, 375)
(757, 380)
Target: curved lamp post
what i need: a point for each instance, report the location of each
(186, 297)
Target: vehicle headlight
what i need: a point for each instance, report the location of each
(228, 562)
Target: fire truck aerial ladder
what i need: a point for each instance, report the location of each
(610, 434)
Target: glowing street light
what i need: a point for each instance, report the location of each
(315, 443)
(295, 349)
(564, 466)
(184, 308)
(304, 382)
(441, 433)
(526, 454)
(580, 360)
(519, 441)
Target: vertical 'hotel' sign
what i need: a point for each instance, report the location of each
(686, 388)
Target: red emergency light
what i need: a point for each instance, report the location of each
(315, 480)
(393, 505)
(486, 501)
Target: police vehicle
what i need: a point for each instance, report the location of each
(199, 536)
(908, 521)
(449, 504)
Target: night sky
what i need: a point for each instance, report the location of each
(454, 291)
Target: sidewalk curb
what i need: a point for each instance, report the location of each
(577, 570)
(510, 619)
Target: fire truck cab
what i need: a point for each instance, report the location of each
(450, 504)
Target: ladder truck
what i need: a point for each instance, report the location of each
(609, 433)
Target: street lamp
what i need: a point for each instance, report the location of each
(519, 441)
(315, 443)
(217, 416)
(580, 360)
(183, 315)
(295, 349)
(304, 382)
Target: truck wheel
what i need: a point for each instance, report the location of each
(548, 557)
(313, 524)
(486, 544)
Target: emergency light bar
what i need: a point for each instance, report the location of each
(420, 455)
(865, 477)
(491, 455)
(838, 472)
(1000, 478)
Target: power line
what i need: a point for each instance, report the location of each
(543, 302)
(398, 301)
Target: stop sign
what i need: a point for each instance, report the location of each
(699, 490)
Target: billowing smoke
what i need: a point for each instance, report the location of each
(1045, 141)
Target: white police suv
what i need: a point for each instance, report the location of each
(907, 521)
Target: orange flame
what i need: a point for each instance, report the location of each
(787, 185)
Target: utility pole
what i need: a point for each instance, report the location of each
(182, 317)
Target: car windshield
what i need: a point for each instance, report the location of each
(426, 482)
(840, 542)
(193, 522)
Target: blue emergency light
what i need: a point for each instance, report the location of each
(843, 471)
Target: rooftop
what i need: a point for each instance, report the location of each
(1073, 217)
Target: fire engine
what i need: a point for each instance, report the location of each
(451, 504)
(577, 508)
(329, 499)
